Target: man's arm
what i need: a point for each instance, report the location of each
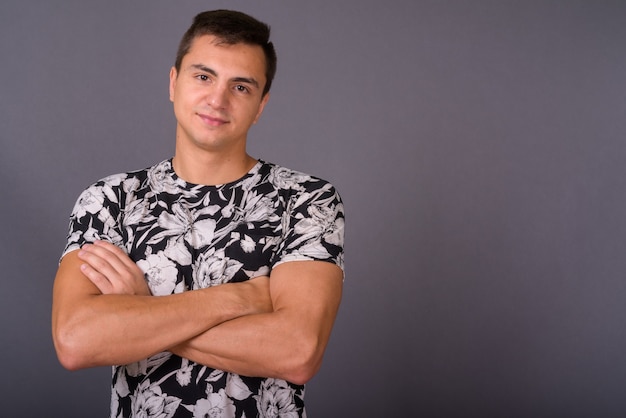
(92, 329)
(287, 343)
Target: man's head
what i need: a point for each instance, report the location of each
(231, 27)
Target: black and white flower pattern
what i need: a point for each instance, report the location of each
(184, 237)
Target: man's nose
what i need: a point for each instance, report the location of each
(218, 96)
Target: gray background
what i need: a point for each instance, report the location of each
(478, 145)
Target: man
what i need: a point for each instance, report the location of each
(211, 280)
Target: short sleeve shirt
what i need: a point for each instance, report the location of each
(185, 237)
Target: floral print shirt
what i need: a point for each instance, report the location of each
(184, 237)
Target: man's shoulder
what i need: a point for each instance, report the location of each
(128, 178)
(287, 178)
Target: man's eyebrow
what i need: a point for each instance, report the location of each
(203, 68)
(247, 80)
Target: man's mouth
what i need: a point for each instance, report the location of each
(212, 120)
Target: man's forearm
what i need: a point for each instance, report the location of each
(287, 343)
(91, 329)
(264, 345)
(120, 329)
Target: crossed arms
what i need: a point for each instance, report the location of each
(277, 326)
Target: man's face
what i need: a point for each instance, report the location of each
(217, 95)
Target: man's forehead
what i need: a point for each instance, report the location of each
(207, 51)
(215, 41)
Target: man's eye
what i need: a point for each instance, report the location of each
(203, 77)
(242, 89)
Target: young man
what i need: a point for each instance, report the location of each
(211, 280)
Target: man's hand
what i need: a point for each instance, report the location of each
(288, 342)
(91, 329)
(111, 270)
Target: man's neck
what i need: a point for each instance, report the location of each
(208, 169)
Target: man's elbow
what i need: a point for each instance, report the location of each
(70, 350)
(301, 375)
(69, 363)
(306, 362)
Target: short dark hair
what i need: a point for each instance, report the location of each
(231, 27)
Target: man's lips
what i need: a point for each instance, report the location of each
(212, 120)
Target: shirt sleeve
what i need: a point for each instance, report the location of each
(313, 226)
(96, 216)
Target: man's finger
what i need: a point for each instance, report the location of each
(103, 259)
(117, 251)
(99, 280)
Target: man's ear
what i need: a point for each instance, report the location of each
(173, 77)
(264, 101)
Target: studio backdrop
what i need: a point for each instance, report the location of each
(479, 147)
